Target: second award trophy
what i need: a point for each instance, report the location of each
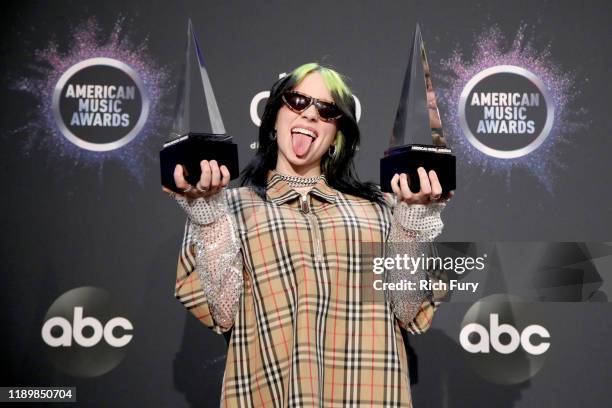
(418, 119)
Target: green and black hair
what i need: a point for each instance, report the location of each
(339, 170)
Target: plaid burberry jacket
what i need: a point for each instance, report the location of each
(302, 336)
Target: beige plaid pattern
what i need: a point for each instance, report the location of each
(302, 336)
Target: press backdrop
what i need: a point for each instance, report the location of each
(74, 218)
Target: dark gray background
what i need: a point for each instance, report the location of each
(67, 225)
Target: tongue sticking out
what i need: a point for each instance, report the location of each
(301, 144)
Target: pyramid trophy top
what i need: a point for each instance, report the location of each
(194, 91)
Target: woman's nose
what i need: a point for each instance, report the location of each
(311, 113)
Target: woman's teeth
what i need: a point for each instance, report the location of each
(304, 132)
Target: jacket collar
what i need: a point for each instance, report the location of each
(279, 191)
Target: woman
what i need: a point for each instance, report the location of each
(279, 260)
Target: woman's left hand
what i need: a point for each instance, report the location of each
(431, 190)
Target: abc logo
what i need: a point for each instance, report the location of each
(76, 331)
(86, 333)
(505, 339)
(493, 339)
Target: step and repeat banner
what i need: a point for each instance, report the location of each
(90, 242)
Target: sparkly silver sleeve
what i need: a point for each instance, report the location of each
(212, 231)
(412, 227)
(204, 211)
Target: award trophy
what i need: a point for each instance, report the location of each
(417, 118)
(191, 143)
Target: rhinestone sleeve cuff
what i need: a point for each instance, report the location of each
(418, 222)
(204, 211)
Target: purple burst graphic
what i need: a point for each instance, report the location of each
(41, 131)
(490, 50)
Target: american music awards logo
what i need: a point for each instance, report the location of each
(509, 106)
(506, 112)
(97, 102)
(100, 104)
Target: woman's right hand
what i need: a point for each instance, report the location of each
(212, 180)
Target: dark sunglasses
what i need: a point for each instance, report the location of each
(298, 103)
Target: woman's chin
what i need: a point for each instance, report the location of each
(293, 158)
(303, 163)
(306, 160)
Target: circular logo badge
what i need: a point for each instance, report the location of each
(504, 340)
(505, 111)
(100, 104)
(85, 334)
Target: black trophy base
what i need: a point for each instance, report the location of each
(407, 159)
(190, 149)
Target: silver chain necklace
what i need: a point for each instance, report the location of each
(295, 181)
